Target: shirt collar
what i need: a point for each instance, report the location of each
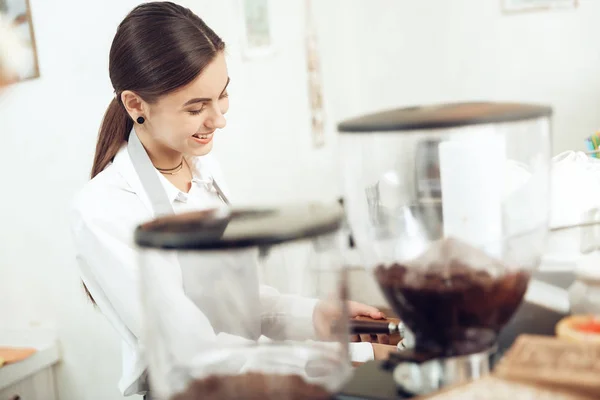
(202, 167)
(199, 176)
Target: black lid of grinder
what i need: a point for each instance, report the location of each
(221, 229)
(443, 116)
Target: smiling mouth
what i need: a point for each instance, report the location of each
(202, 136)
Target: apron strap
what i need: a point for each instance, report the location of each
(220, 193)
(162, 206)
(147, 174)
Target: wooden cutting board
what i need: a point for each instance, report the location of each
(554, 363)
(10, 355)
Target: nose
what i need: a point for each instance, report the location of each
(216, 120)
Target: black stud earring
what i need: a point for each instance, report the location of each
(140, 120)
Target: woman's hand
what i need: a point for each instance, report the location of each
(361, 311)
(328, 313)
(356, 309)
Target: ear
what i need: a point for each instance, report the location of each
(134, 104)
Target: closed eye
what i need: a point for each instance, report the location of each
(196, 112)
(224, 95)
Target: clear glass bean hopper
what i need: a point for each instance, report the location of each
(213, 331)
(449, 206)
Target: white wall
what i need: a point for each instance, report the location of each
(434, 50)
(267, 148)
(377, 54)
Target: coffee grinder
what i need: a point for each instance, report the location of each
(448, 205)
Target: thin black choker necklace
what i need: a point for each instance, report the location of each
(171, 171)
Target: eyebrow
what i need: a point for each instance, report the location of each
(206, 99)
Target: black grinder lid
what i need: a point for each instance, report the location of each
(443, 116)
(231, 229)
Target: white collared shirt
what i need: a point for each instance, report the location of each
(106, 213)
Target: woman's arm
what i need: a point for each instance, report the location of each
(291, 317)
(109, 268)
(286, 317)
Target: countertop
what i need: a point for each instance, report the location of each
(47, 353)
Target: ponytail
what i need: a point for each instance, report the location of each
(114, 130)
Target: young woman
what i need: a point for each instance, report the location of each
(170, 78)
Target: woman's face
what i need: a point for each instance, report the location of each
(186, 120)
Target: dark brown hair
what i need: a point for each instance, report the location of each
(158, 48)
